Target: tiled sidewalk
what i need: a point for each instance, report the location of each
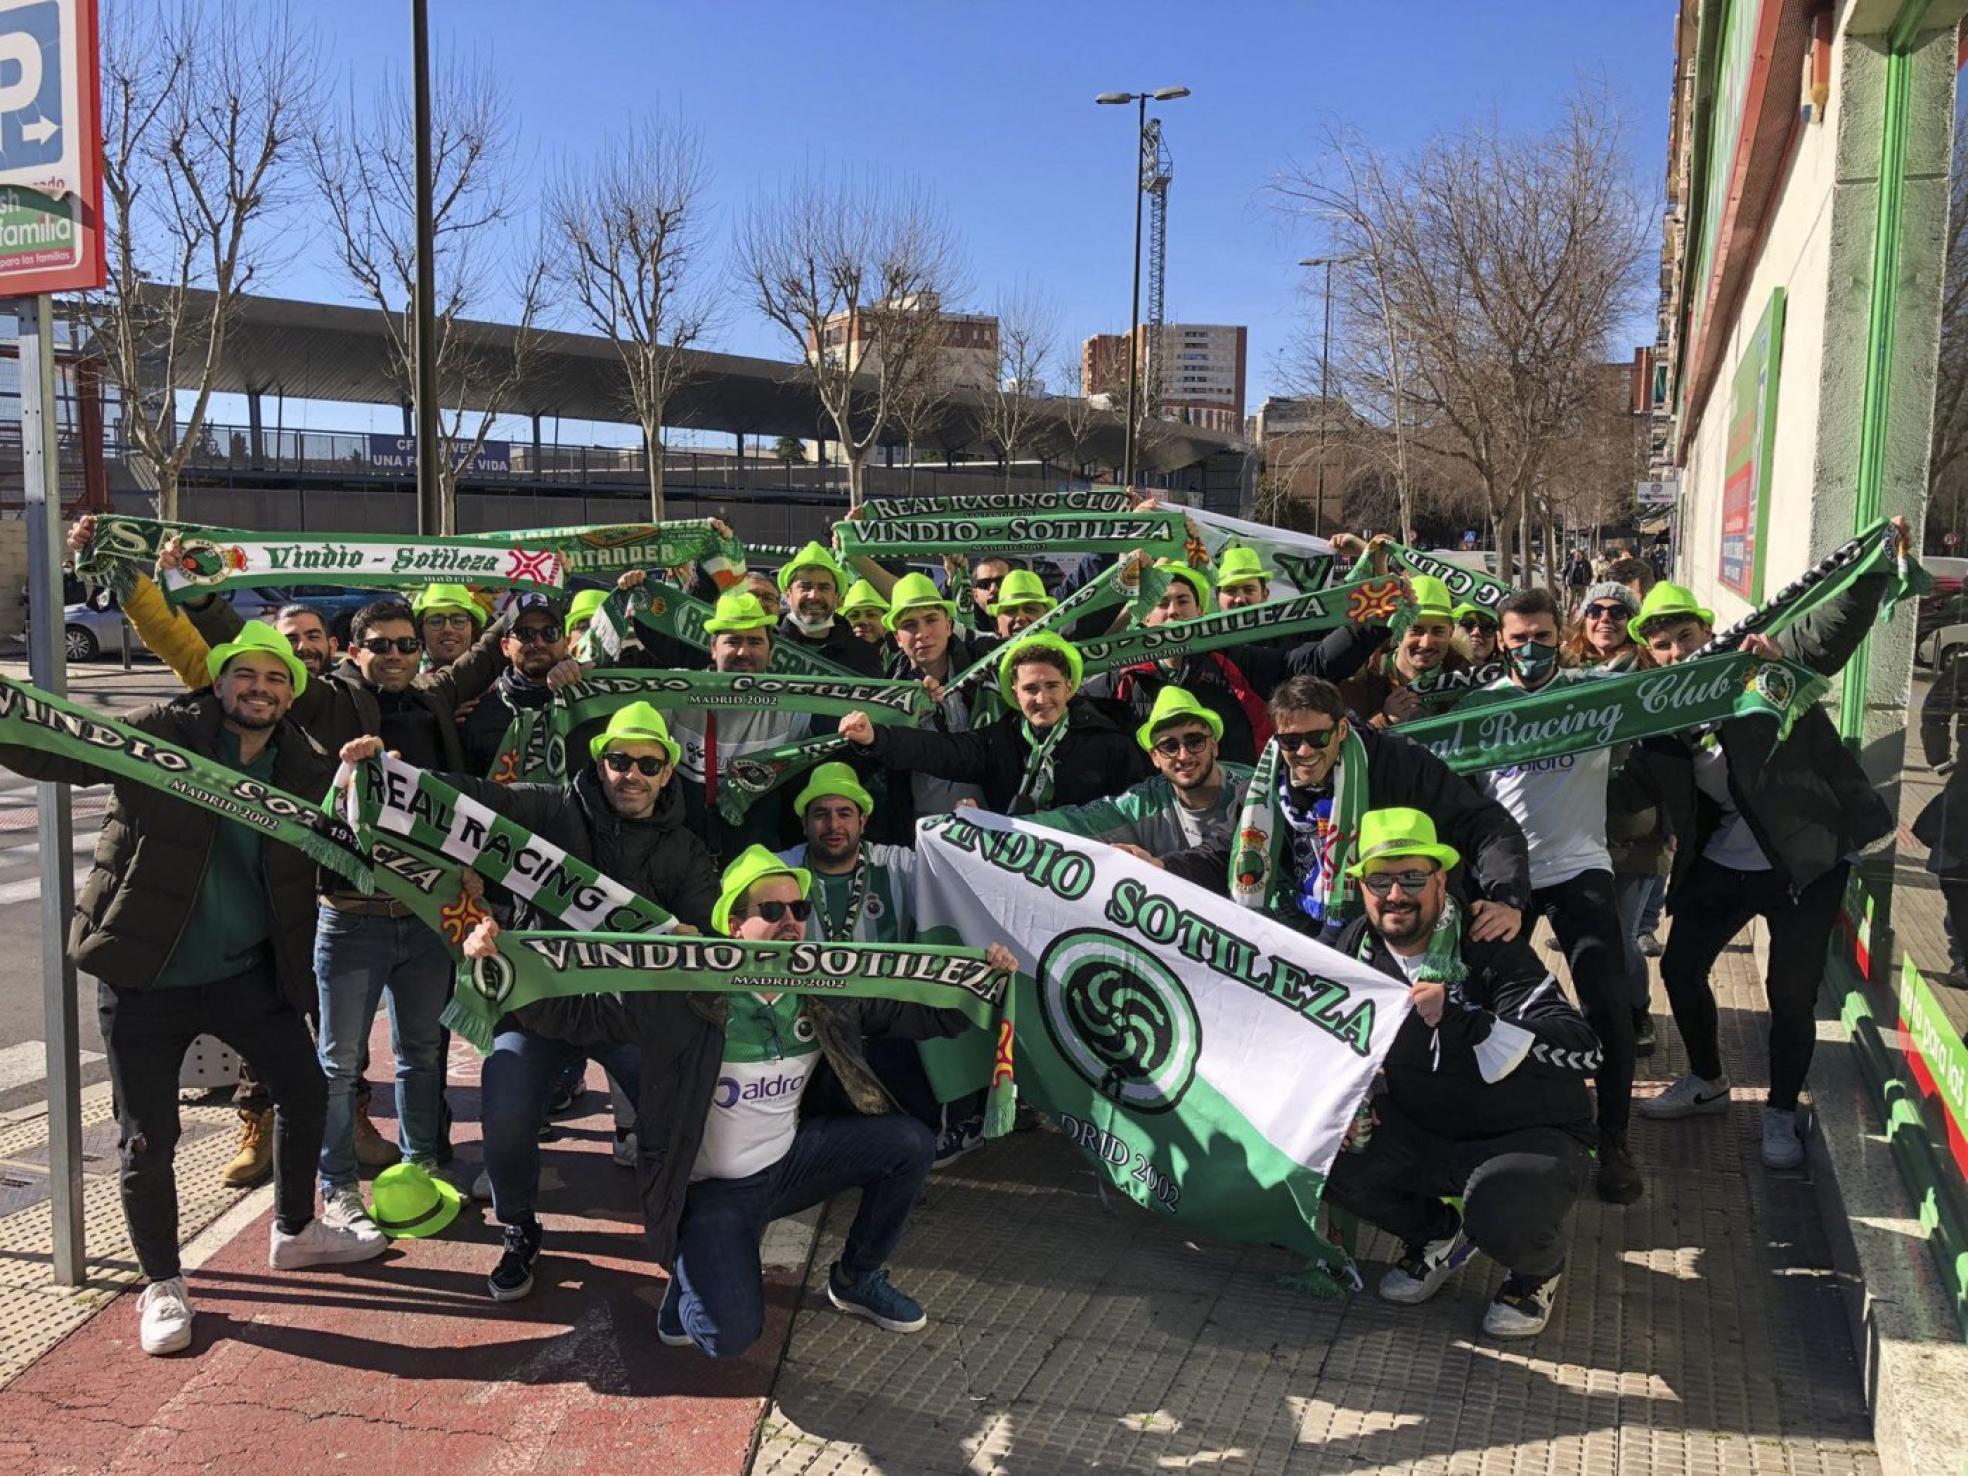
(1697, 1331)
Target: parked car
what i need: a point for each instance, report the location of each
(1941, 646)
(1945, 603)
(336, 603)
(94, 627)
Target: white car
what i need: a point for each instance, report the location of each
(1939, 647)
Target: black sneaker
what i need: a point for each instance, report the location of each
(1644, 1039)
(1619, 1180)
(512, 1278)
(1522, 1307)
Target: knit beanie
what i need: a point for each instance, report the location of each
(1610, 589)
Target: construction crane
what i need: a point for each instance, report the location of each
(1157, 171)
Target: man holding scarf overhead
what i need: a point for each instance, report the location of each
(1765, 826)
(1055, 749)
(1301, 822)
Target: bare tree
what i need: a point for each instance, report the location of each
(855, 272)
(633, 221)
(205, 110)
(1079, 417)
(1027, 328)
(365, 167)
(920, 402)
(1485, 277)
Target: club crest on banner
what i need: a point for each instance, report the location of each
(1120, 1017)
(493, 978)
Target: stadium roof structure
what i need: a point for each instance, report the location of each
(330, 351)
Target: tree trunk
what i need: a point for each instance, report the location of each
(857, 468)
(1525, 542)
(167, 494)
(1552, 574)
(652, 450)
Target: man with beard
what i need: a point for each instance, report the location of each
(1233, 684)
(1022, 599)
(195, 925)
(741, 635)
(814, 584)
(1312, 731)
(448, 621)
(1560, 805)
(1484, 1099)
(1382, 694)
(987, 580)
(623, 816)
(1193, 799)
(931, 652)
(534, 647)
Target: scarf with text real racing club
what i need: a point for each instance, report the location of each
(1066, 501)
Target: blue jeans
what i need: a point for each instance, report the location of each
(515, 1085)
(720, 1282)
(1630, 895)
(356, 958)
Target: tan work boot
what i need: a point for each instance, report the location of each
(253, 1163)
(372, 1149)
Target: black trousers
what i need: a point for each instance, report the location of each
(147, 1032)
(1710, 908)
(1517, 1188)
(1585, 916)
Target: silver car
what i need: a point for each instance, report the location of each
(95, 627)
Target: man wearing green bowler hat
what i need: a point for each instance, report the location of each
(1021, 600)
(930, 649)
(449, 619)
(1485, 1097)
(1381, 694)
(812, 584)
(863, 610)
(1241, 578)
(623, 814)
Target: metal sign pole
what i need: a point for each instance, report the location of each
(48, 669)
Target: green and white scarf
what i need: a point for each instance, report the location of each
(1463, 584)
(1258, 878)
(1037, 785)
(1367, 602)
(971, 503)
(1441, 962)
(668, 611)
(1013, 535)
(1876, 550)
(609, 549)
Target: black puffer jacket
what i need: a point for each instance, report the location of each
(1093, 760)
(152, 853)
(680, 1038)
(1806, 799)
(655, 858)
(840, 645)
(482, 731)
(1511, 1052)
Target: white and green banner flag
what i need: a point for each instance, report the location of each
(1208, 1058)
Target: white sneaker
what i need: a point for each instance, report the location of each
(625, 1148)
(322, 1244)
(164, 1317)
(1691, 1096)
(1783, 1139)
(1522, 1307)
(482, 1186)
(344, 1208)
(1422, 1269)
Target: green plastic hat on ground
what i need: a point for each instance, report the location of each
(1196, 579)
(1171, 704)
(864, 596)
(1021, 646)
(409, 1202)
(754, 864)
(834, 781)
(434, 597)
(1237, 564)
(636, 723)
(1668, 600)
(1022, 587)
(1466, 609)
(916, 592)
(1431, 598)
(257, 635)
(1389, 834)
(584, 605)
(814, 555)
(738, 609)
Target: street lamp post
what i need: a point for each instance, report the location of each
(1325, 358)
(1406, 512)
(1160, 94)
(430, 487)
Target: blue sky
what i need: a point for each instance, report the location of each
(993, 105)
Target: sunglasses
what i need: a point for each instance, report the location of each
(1605, 612)
(774, 912)
(1177, 743)
(528, 635)
(645, 764)
(987, 583)
(1381, 883)
(1316, 739)
(1477, 627)
(383, 645)
(457, 621)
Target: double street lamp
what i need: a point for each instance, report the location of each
(1142, 167)
(1406, 514)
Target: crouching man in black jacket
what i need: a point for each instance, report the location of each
(723, 1149)
(1485, 1089)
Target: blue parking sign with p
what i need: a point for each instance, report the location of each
(31, 111)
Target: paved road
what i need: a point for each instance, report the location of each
(23, 1068)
